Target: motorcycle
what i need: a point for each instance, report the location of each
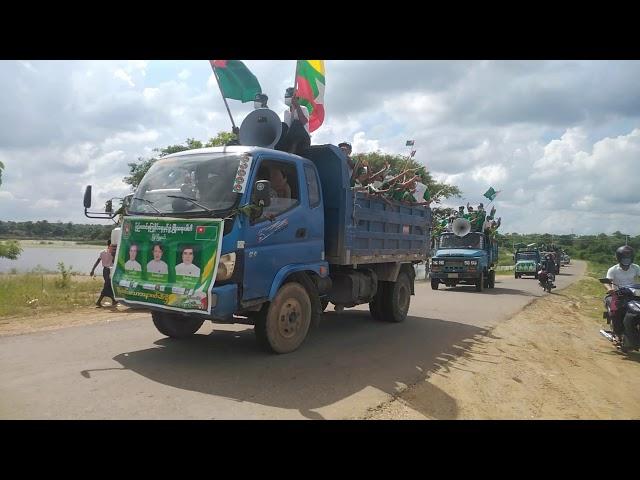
(629, 299)
(545, 280)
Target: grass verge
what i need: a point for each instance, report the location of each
(26, 294)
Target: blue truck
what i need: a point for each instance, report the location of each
(468, 259)
(287, 256)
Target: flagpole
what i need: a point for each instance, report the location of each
(215, 74)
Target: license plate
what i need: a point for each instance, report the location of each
(453, 275)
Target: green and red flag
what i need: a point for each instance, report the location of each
(236, 80)
(310, 84)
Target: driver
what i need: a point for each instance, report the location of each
(625, 272)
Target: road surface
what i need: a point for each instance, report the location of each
(128, 370)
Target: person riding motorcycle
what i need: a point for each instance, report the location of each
(625, 272)
(546, 271)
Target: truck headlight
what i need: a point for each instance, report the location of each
(225, 266)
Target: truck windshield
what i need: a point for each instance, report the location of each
(470, 240)
(200, 180)
(527, 256)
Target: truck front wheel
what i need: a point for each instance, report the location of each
(435, 283)
(176, 326)
(480, 284)
(397, 299)
(283, 326)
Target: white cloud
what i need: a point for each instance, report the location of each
(122, 75)
(184, 74)
(490, 174)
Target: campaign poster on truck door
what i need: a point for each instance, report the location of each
(168, 262)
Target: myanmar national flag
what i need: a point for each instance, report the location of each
(310, 90)
(491, 193)
(236, 81)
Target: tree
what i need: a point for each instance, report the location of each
(1, 169)
(137, 170)
(10, 249)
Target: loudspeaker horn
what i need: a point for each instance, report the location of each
(461, 226)
(261, 128)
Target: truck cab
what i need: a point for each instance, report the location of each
(468, 259)
(527, 262)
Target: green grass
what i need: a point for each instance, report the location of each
(29, 293)
(588, 293)
(505, 257)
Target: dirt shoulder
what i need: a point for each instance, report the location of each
(80, 316)
(547, 362)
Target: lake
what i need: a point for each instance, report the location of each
(81, 258)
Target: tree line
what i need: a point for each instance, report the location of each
(599, 248)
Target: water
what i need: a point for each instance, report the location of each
(82, 259)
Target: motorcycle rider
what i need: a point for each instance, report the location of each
(546, 271)
(625, 272)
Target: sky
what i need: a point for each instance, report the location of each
(560, 140)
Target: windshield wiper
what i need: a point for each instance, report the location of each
(148, 202)
(206, 209)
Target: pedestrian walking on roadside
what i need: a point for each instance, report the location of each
(107, 258)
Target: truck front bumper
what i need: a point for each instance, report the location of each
(454, 275)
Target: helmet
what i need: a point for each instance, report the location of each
(624, 255)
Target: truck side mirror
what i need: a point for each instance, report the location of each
(262, 193)
(87, 197)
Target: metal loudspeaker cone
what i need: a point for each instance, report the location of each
(461, 226)
(261, 128)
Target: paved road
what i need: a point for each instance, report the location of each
(127, 370)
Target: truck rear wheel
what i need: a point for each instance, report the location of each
(492, 279)
(397, 299)
(176, 326)
(284, 325)
(435, 283)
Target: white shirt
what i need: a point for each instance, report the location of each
(157, 266)
(133, 265)
(289, 116)
(188, 269)
(620, 277)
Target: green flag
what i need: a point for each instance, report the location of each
(236, 80)
(491, 193)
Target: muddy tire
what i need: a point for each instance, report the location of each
(480, 284)
(284, 325)
(397, 299)
(176, 326)
(375, 306)
(492, 279)
(435, 283)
